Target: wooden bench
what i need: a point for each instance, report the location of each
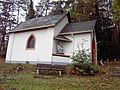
(50, 67)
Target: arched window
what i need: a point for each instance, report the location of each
(31, 42)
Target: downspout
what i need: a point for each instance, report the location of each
(52, 49)
(92, 45)
(52, 53)
(73, 42)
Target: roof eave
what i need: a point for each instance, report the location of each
(26, 29)
(62, 39)
(76, 32)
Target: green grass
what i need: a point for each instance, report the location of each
(25, 80)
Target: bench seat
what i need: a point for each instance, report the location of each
(50, 67)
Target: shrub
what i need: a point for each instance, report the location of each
(71, 69)
(82, 63)
(82, 69)
(4, 78)
(81, 55)
(87, 69)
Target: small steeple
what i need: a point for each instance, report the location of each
(59, 9)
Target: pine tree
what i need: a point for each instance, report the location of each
(116, 18)
(104, 31)
(31, 11)
(116, 9)
(80, 10)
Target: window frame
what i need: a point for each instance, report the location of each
(27, 48)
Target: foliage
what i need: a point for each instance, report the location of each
(82, 55)
(4, 78)
(87, 69)
(82, 69)
(104, 36)
(82, 63)
(31, 12)
(82, 10)
(116, 9)
(104, 30)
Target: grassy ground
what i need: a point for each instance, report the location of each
(24, 80)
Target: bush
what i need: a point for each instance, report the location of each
(71, 69)
(82, 69)
(4, 78)
(87, 69)
(82, 63)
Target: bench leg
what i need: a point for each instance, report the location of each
(60, 73)
(38, 71)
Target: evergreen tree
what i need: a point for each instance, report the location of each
(104, 29)
(31, 11)
(80, 10)
(116, 18)
(116, 9)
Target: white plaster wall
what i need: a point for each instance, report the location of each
(43, 48)
(10, 47)
(70, 47)
(61, 60)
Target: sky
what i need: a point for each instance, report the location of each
(35, 2)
